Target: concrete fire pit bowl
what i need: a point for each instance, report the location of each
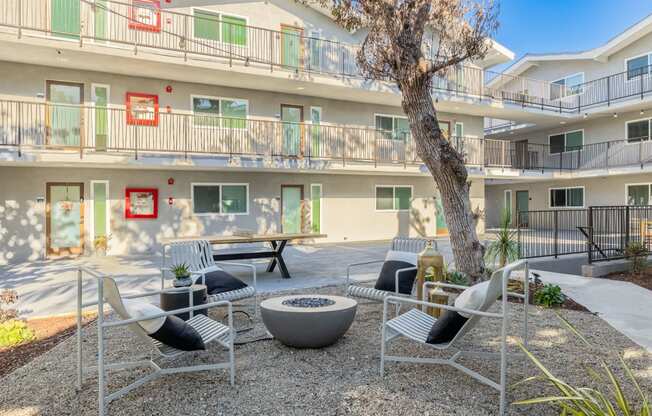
(308, 321)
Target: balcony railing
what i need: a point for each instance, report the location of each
(138, 26)
(92, 129)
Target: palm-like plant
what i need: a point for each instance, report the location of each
(505, 246)
(606, 399)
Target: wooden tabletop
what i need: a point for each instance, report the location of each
(256, 238)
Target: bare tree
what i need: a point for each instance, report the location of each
(409, 42)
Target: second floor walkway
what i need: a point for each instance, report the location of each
(27, 126)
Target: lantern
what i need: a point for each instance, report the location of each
(430, 263)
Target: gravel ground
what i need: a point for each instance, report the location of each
(343, 379)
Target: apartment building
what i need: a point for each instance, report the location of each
(134, 121)
(600, 153)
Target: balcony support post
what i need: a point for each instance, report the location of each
(20, 20)
(606, 156)
(271, 51)
(648, 70)
(136, 142)
(185, 137)
(185, 38)
(20, 129)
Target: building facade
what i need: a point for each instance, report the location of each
(600, 153)
(124, 123)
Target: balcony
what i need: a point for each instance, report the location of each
(27, 126)
(140, 27)
(619, 88)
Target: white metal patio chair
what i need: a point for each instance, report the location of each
(198, 255)
(358, 290)
(107, 291)
(415, 325)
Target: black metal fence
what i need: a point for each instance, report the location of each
(603, 232)
(551, 232)
(612, 228)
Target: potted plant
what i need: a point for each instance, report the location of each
(181, 275)
(101, 244)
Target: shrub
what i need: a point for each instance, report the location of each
(7, 297)
(505, 247)
(637, 252)
(549, 296)
(605, 397)
(457, 278)
(14, 332)
(180, 271)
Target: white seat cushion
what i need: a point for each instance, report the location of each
(472, 298)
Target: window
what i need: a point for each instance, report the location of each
(638, 66)
(315, 47)
(219, 112)
(459, 130)
(507, 204)
(394, 127)
(207, 25)
(638, 194)
(638, 131)
(566, 142)
(567, 197)
(315, 208)
(215, 198)
(567, 86)
(393, 198)
(234, 30)
(220, 27)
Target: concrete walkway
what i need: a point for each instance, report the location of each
(47, 288)
(625, 306)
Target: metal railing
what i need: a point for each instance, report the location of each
(39, 125)
(140, 26)
(611, 229)
(552, 232)
(31, 124)
(603, 232)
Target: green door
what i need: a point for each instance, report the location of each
(315, 131)
(65, 218)
(64, 113)
(315, 208)
(440, 218)
(65, 18)
(291, 209)
(292, 117)
(100, 204)
(101, 116)
(522, 205)
(291, 46)
(100, 19)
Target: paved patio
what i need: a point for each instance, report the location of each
(48, 287)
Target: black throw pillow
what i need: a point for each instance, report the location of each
(176, 333)
(387, 277)
(446, 327)
(220, 281)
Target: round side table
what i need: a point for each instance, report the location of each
(178, 298)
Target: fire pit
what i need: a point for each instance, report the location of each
(308, 321)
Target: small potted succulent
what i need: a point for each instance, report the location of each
(181, 275)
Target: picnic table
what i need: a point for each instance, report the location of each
(277, 242)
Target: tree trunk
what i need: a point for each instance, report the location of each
(450, 175)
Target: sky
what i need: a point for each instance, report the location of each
(540, 26)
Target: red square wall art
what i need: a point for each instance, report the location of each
(141, 203)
